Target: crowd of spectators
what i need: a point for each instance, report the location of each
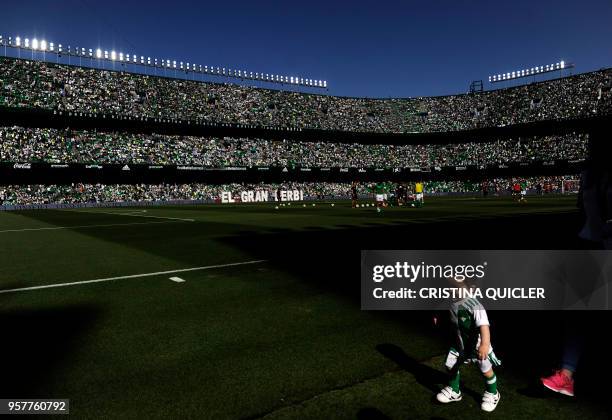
(117, 193)
(18, 144)
(37, 84)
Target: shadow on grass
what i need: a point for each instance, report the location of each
(372, 413)
(428, 377)
(36, 344)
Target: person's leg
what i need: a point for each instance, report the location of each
(562, 381)
(451, 392)
(491, 396)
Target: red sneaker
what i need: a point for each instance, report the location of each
(559, 382)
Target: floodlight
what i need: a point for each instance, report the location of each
(43, 45)
(27, 43)
(562, 64)
(113, 55)
(34, 44)
(18, 41)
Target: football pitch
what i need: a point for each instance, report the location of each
(249, 311)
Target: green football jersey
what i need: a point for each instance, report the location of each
(468, 315)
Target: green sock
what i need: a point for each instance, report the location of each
(454, 381)
(491, 384)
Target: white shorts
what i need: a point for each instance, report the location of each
(484, 365)
(380, 197)
(419, 196)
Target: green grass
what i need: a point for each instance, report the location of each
(264, 339)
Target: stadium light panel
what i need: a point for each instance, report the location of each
(113, 55)
(18, 41)
(43, 45)
(27, 43)
(562, 64)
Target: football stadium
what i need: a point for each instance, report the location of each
(182, 240)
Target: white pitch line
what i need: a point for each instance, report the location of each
(83, 226)
(132, 276)
(131, 215)
(177, 279)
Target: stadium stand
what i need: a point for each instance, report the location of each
(16, 195)
(61, 88)
(32, 154)
(22, 144)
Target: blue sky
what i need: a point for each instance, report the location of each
(380, 49)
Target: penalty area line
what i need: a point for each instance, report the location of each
(116, 213)
(132, 276)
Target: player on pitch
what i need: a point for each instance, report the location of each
(418, 194)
